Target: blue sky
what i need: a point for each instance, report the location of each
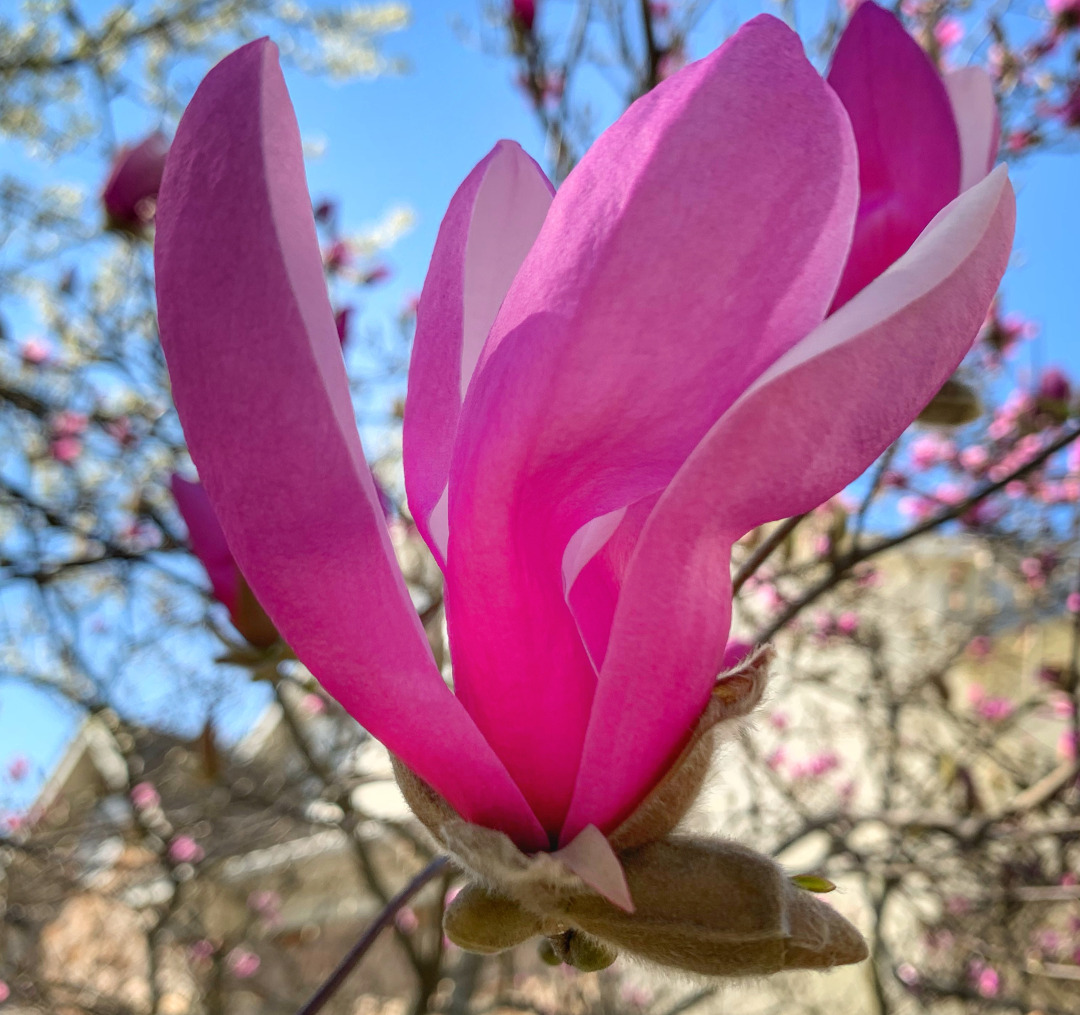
(410, 140)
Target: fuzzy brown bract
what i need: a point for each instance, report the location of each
(707, 906)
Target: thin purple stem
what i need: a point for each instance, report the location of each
(367, 939)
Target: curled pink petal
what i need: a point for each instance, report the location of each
(590, 856)
(261, 390)
(488, 229)
(800, 433)
(971, 93)
(909, 150)
(701, 236)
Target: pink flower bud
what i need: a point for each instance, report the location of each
(130, 194)
(1054, 385)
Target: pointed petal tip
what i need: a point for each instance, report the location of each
(589, 855)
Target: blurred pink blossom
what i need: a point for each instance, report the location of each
(974, 458)
(979, 647)
(144, 796)
(35, 351)
(202, 950)
(267, 905)
(5, 992)
(848, 622)
(931, 450)
(18, 768)
(916, 508)
(987, 982)
(995, 708)
(120, 430)
(184, 849)
(242, 963)
(1066, 745)
(65, 450)
(130, 193)
(337, 256)
(406, 920)
(779, 720)
(948, 32)
(67, 423)
(907, 974)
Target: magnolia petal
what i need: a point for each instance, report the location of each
(804, 430)
(488, 229)
(700, 236)
(206, 538)
(909, 151)
(971, 93)
(261, 390)
(590, 856)
(594, 591)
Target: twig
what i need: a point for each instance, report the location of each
(765, 550)
(857, 556)
(367, 939)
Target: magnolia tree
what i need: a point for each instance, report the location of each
(627, 524)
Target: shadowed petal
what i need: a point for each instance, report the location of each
(701, 236)
(804, 430)
(971, 93)
(206, 538)
(260, 386)
(909, 150)
(488, 229)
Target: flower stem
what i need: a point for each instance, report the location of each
(367, 939)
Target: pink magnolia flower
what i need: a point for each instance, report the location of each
(5, 992)
(583, 443)
(130, 193)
